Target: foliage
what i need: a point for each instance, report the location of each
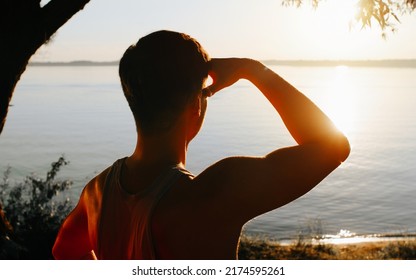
(261, 249)
(308, 245)
(385, 12)
(403, 250)
(34, 211)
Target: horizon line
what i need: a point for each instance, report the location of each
(286, 62)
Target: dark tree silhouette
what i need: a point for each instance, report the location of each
(24, 27)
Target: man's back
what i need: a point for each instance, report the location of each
(187, 218)
(125, 220)
(190, 222)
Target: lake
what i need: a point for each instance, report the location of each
(81, 112)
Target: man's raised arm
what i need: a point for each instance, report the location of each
(264, 183)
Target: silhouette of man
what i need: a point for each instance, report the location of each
(148, 206)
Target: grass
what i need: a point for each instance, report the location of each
(252, 248)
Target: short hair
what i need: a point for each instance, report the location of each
(160, 75)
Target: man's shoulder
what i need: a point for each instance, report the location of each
(219, 174)
(96, 185)
(223, 168)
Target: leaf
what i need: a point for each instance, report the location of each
(395, 16)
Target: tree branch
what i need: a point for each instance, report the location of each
(25, 27)
(57, 12)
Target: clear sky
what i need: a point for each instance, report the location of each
(261, 29)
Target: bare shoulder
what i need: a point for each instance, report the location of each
(92, 192)
(224, 172)
(246, 187)
(81, 224)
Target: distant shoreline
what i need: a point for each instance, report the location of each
(391, 63)
(394, 63)
(75, 63)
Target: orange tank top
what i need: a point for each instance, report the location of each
(124, 227)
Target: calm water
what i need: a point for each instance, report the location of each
(81, 112)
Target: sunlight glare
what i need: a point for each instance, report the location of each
(341, 12)
(329, 29)
(340, 103)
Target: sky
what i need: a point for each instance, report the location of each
(259, 29)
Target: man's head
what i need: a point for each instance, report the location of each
(160, 76)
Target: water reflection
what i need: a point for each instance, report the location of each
(347, 237)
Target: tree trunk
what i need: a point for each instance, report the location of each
(24, 27)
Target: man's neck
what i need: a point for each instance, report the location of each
(162, 149)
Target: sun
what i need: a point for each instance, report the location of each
(340, 100)
(340, 12)
(329, 29)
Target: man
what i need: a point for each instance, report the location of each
(147, 206)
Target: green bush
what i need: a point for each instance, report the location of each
(34, 211)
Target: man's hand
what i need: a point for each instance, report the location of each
(225, 72)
